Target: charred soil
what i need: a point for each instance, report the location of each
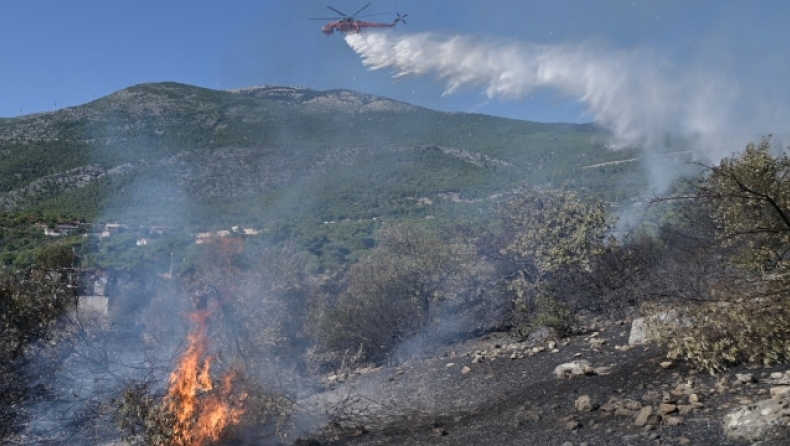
(499, 391)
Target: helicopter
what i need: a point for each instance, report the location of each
(348, 24)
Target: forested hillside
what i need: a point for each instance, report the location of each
(171, 152)
(322, 167)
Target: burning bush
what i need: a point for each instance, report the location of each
(196, 410)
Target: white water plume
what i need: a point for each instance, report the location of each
(641, 97)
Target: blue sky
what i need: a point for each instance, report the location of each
(64, 53)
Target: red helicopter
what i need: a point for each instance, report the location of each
(349, 24)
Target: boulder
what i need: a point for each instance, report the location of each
(574, 369)
(638, 332)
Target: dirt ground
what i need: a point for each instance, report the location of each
(450, 397)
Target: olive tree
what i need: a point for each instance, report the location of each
(544, 234)
(748, 197)
(745, 317)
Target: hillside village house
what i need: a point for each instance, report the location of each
(59, 229)
(205, 237)
(111, 229)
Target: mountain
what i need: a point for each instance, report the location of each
(168, 153)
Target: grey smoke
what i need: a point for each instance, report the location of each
(639, 95)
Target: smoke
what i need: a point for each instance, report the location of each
(640, 96)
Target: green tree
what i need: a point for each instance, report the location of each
(744, 203)
(544, 234)
(748, 198)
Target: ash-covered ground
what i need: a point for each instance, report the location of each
(498, 390)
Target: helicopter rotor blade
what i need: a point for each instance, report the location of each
(333, 9)
(373, 15)
(328, 18)
(360, 10)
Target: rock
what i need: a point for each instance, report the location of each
(666, 408)
(642, 327)
(552, 345)
(597, 343)
(567, 443)
(643, 415)
(685, 409)
(449, 364)
(574, 369)
(744, 378)
(673, 421)
(577, 355)
(752, 422)
(666, 364)
(779, 391)
(583, 404)
(465, 370)
(632, 405)
(538, 349)
(653, 420)
(638, 332)
(694, 398)
(573, 425)
(683, 441)
(623, 412)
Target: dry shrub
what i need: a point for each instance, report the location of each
(397, 290)
(142, 415)
(553, 314)
(723, 334)
(377, 321)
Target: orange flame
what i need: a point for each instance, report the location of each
(201, 412)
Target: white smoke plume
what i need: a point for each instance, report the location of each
(641, 97)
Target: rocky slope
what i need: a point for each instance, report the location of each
(504, 391)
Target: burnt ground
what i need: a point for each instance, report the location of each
(504, 401)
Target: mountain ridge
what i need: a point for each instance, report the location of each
(256, 144)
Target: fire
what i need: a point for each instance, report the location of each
(201, 412)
